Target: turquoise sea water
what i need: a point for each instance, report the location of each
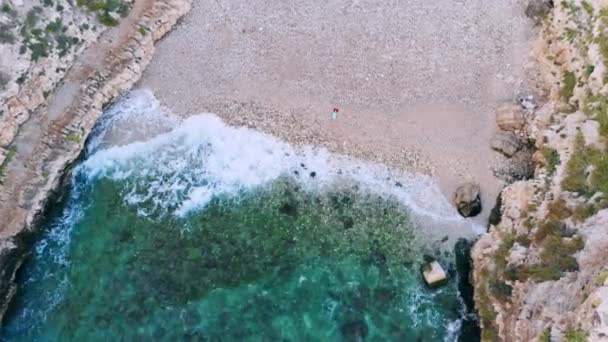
(197, 231)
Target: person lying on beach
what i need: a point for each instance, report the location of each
(334, 114)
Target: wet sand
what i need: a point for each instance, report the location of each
(416, 82)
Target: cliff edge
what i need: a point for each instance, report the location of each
(540, 273)
(48, 116)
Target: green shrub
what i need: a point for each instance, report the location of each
(499, 289)
(502, 253)
(558, 210)
(583, 211)
(552, 158)
(487, 315)
(587, 7)
(596, 107)
(575, 335)
(599, 176)
(105, 9)
(568, 84)
(54, 26)
(589, 68)
(12, 151)
(556, 258)
(548, 228)
(545, 336)
(576, 178)
(72, 137)
(106, 19)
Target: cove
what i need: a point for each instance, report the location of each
(193, 230)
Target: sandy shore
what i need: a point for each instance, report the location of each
(416, 82)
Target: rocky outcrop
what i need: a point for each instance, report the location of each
(540, 272)
(30, 179)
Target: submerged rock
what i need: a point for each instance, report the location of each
(510, 117)
(354, 331)
(468, 200)
(506, 143)
(434, 275)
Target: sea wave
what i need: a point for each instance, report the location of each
(181, 169)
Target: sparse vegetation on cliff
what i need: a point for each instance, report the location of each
(587, 170)
(575, 335)
(108, 11)
(10, 155)
(561, 236)
(568, 84)
(552, 158)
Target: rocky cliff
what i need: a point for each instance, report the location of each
(38, 140)
(541, 271)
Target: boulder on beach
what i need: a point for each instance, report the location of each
(537, 10)
(468, 200)
(434, 275)
(506, 143)
(510, 117)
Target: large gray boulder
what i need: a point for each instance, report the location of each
(506, 143)
(468, 200)
(537, 10)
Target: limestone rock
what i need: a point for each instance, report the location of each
(468, 200)
(591, 132)
(539, 158)
(505, 142)
(433, 274)
(510, 117)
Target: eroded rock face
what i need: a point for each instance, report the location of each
(540, 273)
(510, 117)
(506, 143)
(25, 192)
(467, 199)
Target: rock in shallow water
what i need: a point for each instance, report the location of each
(468, 200)
(433, 274)
(354, 331)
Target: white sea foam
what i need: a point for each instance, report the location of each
(181, 170)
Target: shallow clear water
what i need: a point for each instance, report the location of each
(200, 231)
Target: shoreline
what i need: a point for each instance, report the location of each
(399, 104)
